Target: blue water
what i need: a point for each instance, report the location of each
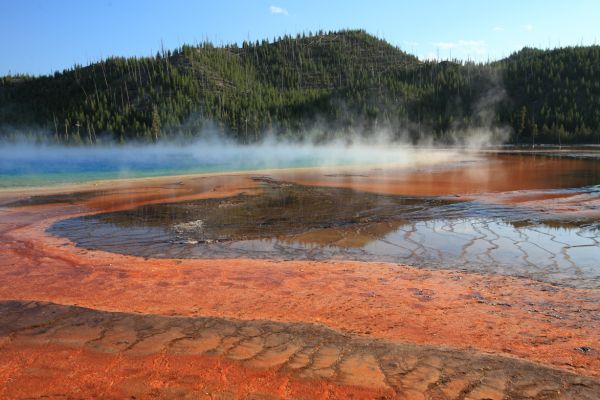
(47, 165)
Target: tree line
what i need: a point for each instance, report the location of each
(332, 83)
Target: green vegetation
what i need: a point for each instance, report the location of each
(332, 83)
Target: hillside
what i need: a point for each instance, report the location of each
(333, 83)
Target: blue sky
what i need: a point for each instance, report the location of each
(41, 36)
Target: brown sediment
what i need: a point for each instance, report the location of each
(373, 303)
(355, 236)
(122, 194)
(156, 356)
(500, 173)
(281, 220)
(465, 174)
(280, 210)
(528, 319)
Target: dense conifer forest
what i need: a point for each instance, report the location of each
(332, 83)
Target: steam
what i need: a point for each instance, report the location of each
(33, 162)
(30, 164)
(321, 143)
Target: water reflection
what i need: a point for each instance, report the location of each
(290, 221)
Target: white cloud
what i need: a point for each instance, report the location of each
(278, 10)
(497, 29)
(528, 27)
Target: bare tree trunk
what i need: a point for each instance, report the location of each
(104, 74)
(55, 126)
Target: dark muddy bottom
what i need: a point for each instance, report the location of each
(290, 221)
(67, 198)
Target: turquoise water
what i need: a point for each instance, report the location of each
(40, 166)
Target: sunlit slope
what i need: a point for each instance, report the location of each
(329, 82)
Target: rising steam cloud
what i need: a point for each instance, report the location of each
(45, 164)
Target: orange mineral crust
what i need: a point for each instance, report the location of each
(471, 176)
(72, 351)
(123, 326)
(62, 372)
(527, 319)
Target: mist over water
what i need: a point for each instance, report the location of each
(33, 165)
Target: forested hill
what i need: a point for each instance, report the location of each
(332, 83)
